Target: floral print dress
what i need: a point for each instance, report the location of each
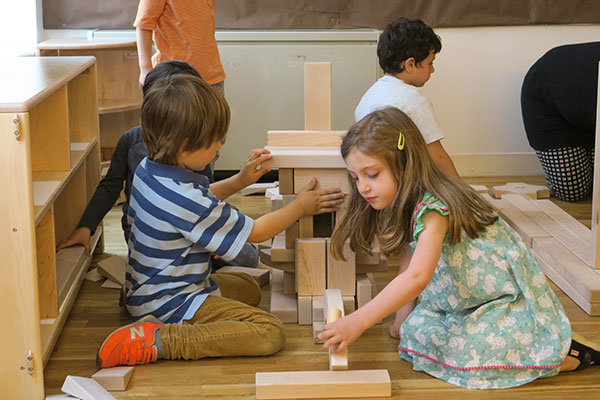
(487, 319)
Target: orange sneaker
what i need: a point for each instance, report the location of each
(131, 344)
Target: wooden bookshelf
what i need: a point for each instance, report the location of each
(49, 169)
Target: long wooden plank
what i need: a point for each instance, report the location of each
(305, 138)
(322, 157)
(583, 278)
(317, 96)
(527, 228)
(323, 384)
(590, 308)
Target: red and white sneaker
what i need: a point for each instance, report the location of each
(131, 344)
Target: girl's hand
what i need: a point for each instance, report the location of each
(80, 236)
(254, 167)
(317, 201)
(342, 332)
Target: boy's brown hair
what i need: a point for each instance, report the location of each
(182, 112)
(415, 173)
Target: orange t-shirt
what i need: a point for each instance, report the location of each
(183, 30)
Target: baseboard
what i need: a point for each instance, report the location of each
(497, 164)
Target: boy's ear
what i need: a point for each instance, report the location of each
(410, 64)
(183, 146)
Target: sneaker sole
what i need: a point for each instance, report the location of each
(147, 318)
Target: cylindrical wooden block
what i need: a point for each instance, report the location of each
(333, 314)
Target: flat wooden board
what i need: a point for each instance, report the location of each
(533, 191)
(305, 138)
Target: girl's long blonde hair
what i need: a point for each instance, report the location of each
(415, 173)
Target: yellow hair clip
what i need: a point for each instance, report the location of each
(401, 141)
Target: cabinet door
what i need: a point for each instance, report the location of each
(20, 378)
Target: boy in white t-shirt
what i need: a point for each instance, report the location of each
(406, 51)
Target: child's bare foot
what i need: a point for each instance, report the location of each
(394, 331)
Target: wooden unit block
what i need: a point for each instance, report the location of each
(266, 259)
(85, 389)
(326, 178)
(273, 194)
(338, 360)
(276, 204)
(566, 220)
(522, 202)
(46, 269)
(333, 299)
(498, 203)
(583, 278)
(310, 266)
(322, 157)
(260, 275)
(93, 275)
(291, 234)
(349, 304)
(366, 258)
(317, 309)
(305, 227)
(113, 268)
(317, 329)
(364, 290)
(533, 191)
(382, 266)
(527, 228)
(341, 274)
(323, 384)
(305, 138)
(578, 298)
(480, 188)
(285, 307)
(68, 262)
(279, 252)
(108, 284)
(317, 96)
(286, 181)
(304, 310)
(257, 188)
(116, 378)
(289, 283)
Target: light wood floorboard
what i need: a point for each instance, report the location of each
(96, 313)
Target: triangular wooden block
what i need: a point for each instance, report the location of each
(108, 284)
(85, 389)
(533, 191)
(113, 268)
(116, 378)
(94, 276)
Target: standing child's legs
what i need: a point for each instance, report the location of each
(405, 311)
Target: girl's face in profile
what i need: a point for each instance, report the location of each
(373, 178)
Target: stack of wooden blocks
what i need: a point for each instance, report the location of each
(301, 256)
(562, 246)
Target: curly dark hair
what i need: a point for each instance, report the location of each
(405, 38)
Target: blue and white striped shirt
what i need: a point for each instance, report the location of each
(176, 223)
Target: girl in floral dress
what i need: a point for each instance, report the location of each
(486, 316)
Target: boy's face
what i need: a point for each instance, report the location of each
(421, 72)
(373, 178)
(197, 160)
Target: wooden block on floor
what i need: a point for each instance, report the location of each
(317, 96)
(349, 304)
(85, 389)
(323, 384)
(108, 284)
(94, 276)
(304, 310)
(566, 220)
(116, 378)
(524, 225)
(341, 274)
(286, 181)
(113, 268)
(266, 259)
(310, 266)
(480, 189)
(304, 138)
(289, 283)
(305, 227)
(317, 309)
(338, 360)
(582, 277)
(285, 307)
(257, 188)
(533, 191)
(364, 290)
(578, 298)
(279, 253)
(525, 204)
(261, 275)
(317, 329)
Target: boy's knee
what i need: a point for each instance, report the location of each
(274, 337)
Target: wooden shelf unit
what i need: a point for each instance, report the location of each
(49, 170)
(119, 95)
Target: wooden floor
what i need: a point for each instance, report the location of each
(96, 313)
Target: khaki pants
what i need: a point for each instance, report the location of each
(226, 325)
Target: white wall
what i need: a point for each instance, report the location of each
(476, 87)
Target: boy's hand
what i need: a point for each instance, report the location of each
(80, 236)
(342, 331)
(317, 201)
(254, 167)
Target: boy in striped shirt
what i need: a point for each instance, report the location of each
(178, 220)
